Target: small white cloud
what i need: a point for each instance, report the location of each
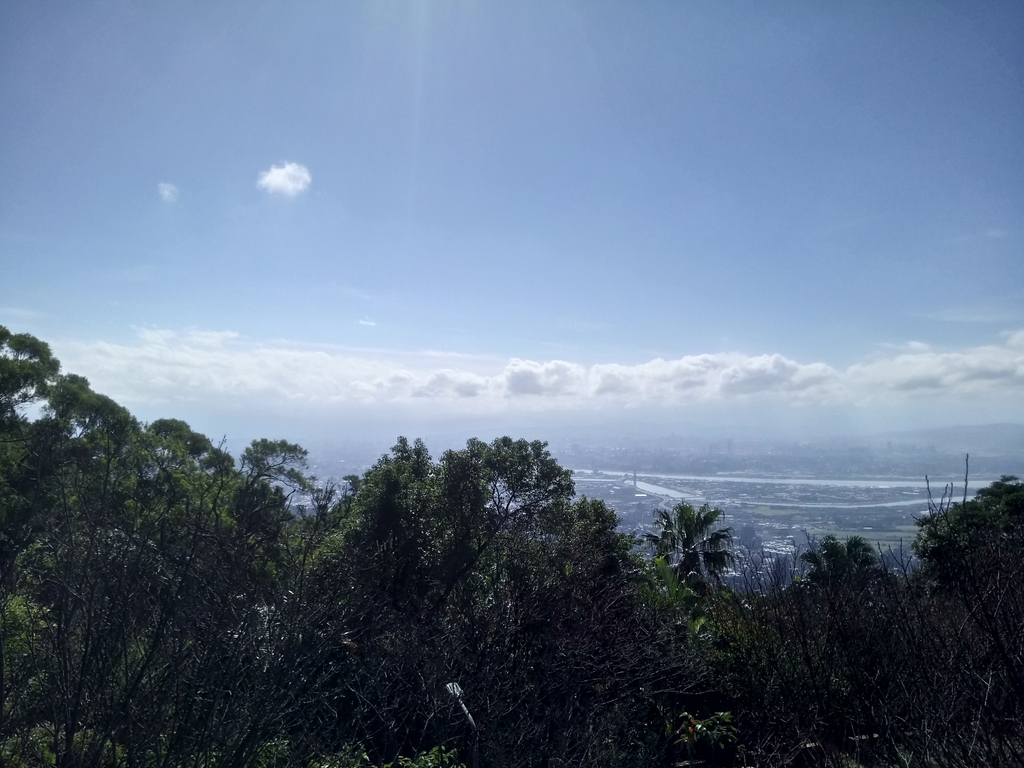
(289, 179)
(367, 321)
(168, 192)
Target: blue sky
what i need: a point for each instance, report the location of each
(320, 216)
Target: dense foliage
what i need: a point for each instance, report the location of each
(163, 603)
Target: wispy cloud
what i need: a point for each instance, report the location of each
(289, 179)
(987, 313)
(907, 346)
(133, 273)
(367, 321)
(168, 192)
(20, 314)
(164, 366)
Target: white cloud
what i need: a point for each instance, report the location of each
(453, 384)
(289, 179)
(168, 192)
(967, 373)
(219, 366)
(1015, 339)
(367, 321)
(557, 377)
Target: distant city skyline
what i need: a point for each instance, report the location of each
(381, 217)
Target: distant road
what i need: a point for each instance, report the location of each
(667, 494)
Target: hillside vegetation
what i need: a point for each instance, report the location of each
(165, 604)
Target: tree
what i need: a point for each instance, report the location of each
(26, 368)
(974, 552)
(833, 560)
(686, 538)
(27, 371)
(956, 537)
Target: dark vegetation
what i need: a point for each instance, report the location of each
(165, 604)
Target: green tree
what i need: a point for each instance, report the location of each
(833, 560)
(696, 550)
(27, 367)
(974, 552)
(27, 372)
(955, 538)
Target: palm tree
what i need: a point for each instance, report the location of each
(832, 559)
(687, 542)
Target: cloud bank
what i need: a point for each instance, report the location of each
(168, 367)
(289, 179)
